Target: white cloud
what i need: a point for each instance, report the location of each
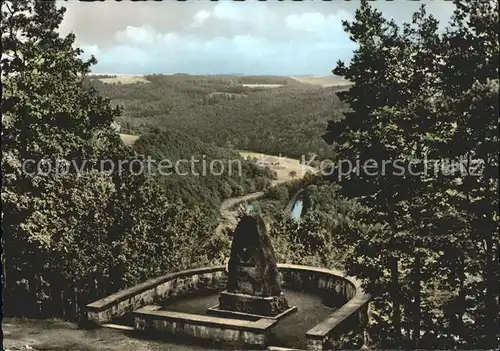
(223, 37)
(168, 39)
(308, 22)
(90, 50)
(316, 22)
(136, 35)
(200, 17)
(229, 11)
(173, 52)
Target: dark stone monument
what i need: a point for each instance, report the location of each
(253, 285)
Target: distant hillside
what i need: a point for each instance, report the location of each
(289, 119)
(247, 80)
(235, 78)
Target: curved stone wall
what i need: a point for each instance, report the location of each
(336, 289)
(154, 290)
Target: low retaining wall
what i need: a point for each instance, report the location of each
(156, 290)
(344, 292)
(251, 333)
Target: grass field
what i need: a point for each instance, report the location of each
(262, 85)
(286, 165)
(125, 80)
(129, 139)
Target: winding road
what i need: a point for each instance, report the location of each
(229, 217)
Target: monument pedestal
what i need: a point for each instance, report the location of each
(243, 305)
(253, 288)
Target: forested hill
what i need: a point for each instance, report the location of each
(230, 111)
(194, 181)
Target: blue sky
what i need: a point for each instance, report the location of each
(224, 37)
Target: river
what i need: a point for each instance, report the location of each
(297, 209)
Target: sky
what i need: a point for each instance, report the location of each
(224, 37)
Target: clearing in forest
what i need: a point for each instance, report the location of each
(286, 168)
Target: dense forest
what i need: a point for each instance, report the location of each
(287, 120)
(423, 239)
(200, 184)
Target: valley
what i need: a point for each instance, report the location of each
(192, 123)
(287, 120)
(126, 194)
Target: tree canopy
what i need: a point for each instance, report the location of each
(219, 110)
(73, 230)
(422, 98)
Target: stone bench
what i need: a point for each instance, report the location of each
(253, 333)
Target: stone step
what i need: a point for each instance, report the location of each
(118, 326)
(277, 348)
(151, 307)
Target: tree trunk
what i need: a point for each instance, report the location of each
(32, 303)
(56, 300)
(63, 304)
(461, 306)
(6, 292)
(77, 309)
(4, 269)
(491, 327)
(396, 311)
(416, 305)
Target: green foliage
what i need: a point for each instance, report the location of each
(199, 181)
(418, 94)
(219, 110)
(308, 241)
(278, 192)
(89, 232)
